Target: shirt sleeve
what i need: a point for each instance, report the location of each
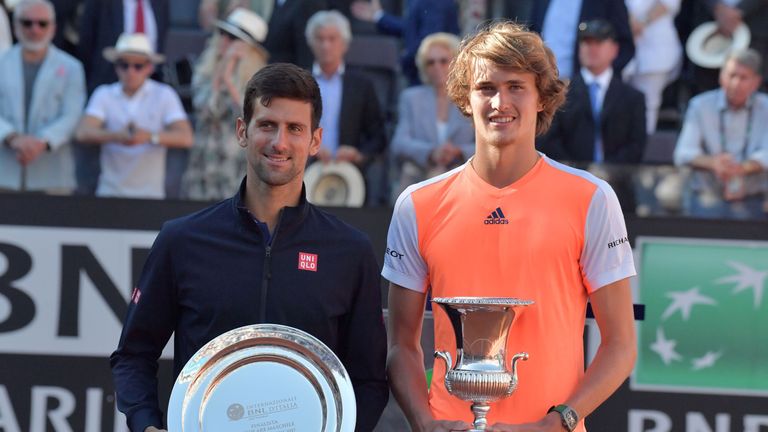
(148, 326)
(97, 104)
(607, 254)
(689, 141)
(403, 263)
(174, 109)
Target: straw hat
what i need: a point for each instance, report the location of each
(132, 43)
(246, 25)
(335, 184)
(708, 48)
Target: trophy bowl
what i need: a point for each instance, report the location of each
(263, 377)
(480, 375)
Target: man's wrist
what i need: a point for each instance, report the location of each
(568, 416)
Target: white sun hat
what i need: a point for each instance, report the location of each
(708, 48)
(246, 25)
(132, 43)
(335, 184)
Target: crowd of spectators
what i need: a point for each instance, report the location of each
(84, 108)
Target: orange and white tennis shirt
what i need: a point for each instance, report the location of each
(554, 236)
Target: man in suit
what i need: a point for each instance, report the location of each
(101, 23)
(423, 18)
(285, 38)
(41, 97)
(603, 119)
(557, 21)
(353, 125)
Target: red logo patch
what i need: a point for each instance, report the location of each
(307, 261)
(136, 295)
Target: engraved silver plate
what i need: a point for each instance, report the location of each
(263, 378)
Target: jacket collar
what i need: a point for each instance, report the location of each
(289, 218)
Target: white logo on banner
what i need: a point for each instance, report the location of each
(43, 269)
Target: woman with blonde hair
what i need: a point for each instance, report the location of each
(432, 135)
(233, 55)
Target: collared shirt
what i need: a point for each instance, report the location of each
(331, 91)
(137, 170)
(150, 24)
(603, 80)
(712, 127)
(560, 28)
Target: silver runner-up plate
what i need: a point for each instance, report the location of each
(263, 378)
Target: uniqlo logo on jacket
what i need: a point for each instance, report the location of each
(307, 261)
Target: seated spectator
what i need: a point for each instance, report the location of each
(603, 119)
(5, 30)
(134, 120)
(42, 94)
(725, 139)
(658, 53)
(352, 122)
(432, 135)
(422, 18)
(233, 55)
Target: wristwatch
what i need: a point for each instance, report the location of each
(154, 139)
(568, 416)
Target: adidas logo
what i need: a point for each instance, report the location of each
(496, 218)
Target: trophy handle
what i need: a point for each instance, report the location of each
(447, 358)
(515, 358)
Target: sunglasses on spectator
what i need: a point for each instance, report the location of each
(227, 34)
(122, 65)
(28, 23)
(442, 60)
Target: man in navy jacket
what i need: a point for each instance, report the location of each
(239, 262)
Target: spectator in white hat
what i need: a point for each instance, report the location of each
(234, 53)
(134, 120)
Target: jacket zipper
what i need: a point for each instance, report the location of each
(267, 272)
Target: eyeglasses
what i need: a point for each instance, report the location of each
(28, 23)
(442, 60)
(122, 65)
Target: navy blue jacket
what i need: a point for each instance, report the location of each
(212, 271)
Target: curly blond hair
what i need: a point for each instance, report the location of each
(510, 46)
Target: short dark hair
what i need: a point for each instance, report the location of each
(282, 80)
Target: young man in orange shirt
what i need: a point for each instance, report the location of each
(511, 223)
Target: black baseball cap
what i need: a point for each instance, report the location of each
(599, 29)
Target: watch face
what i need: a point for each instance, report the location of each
(570, 418)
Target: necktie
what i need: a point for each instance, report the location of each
(139, 16)
(594, 89)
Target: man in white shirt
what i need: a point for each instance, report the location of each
(135, 120)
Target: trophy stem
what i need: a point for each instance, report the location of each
(480, 410)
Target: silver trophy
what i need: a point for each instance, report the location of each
(480, 375)
(263, 377)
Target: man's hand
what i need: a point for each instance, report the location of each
(443, 155)
(347, 153)
(723, 165)
(727, 17)
(28, 148)
(364, 10)
(154, 429)
(138, 136)
(324, 155)
(550, 423)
